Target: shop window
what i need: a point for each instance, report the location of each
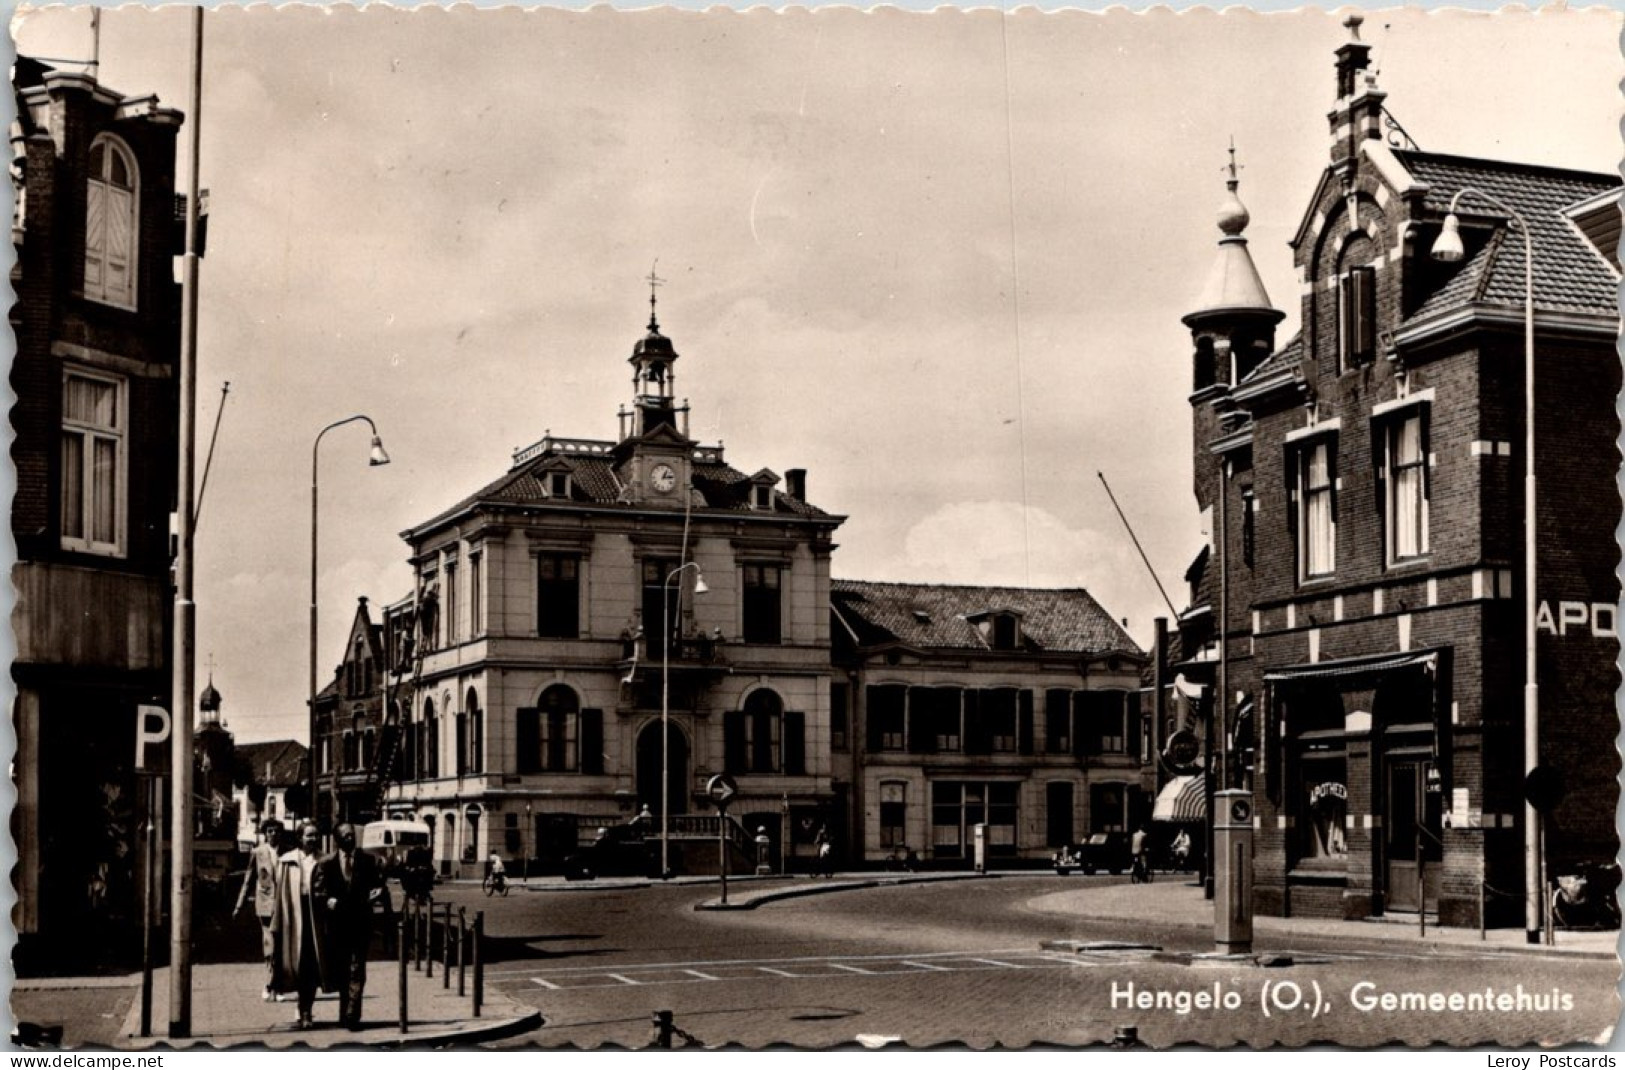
(893, 814)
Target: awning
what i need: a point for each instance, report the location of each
(1366, 666)
(1184, 798)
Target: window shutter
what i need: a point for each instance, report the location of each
(733, 741)
(922, 720)
(873, 730)
(1024, 722)
(1057, 720)
(95, 238)
(976, 741)
(795, 743)
(528, 739)
(592, 741)
(1135, 727)
(1364, 314)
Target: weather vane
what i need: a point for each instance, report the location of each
(654, 280)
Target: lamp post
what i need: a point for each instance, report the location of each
(666, 629)
(1449, 248)
(376, 457)
(526, 843)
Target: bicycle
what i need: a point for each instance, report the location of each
(495, 884)
(1139, 872)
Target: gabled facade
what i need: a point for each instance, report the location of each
(1360, 612)
(350, 728)
(95, 324)
(558, 610)
(1014, 708)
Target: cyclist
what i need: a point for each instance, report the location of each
(1139, 848)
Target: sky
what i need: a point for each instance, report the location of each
(938, 260)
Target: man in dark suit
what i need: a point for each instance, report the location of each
(348, 882)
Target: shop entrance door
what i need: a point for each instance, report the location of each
(1412, 832)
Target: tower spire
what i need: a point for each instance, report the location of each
(654, 280)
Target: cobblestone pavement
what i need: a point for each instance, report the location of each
(91, 1016)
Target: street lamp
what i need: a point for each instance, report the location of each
(1449, 248)
(526, 842)
(376, 457)
(667, 628)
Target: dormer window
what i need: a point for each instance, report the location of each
(1357, 317)
(761, 498)
(1006, 631)
(1000, 629)
(558, 485)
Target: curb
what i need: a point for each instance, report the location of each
(751, 902)
(499, 1029)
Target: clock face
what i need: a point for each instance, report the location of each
(663, 478)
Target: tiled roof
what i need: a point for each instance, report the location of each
(717, 486)
(1282, 359)
(284, 758)
(933, 616)
(1570, 275)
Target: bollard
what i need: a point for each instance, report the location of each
(445, 947)
(418, 936)
(428, 941)
(663, 1030)
(462, 941)
(405, 927)
(479, 960)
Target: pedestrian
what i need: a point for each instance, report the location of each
(347, 884)
(1138, 847)
(261, 877)
(300, 955)
(826, 852)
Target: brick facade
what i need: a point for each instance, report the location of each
(92, 628)
(1389, 683)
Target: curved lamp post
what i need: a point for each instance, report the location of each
(667, 628)
(1449, 248)
(376, 457)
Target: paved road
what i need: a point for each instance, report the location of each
(962, 962)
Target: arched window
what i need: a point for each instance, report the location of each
(111, 223)
(764, 738)
(558, 736)
(429, 736)
(476, 732)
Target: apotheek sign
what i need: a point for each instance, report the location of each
(1600, 619)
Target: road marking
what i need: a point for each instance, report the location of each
(703, 976)
(854, 969)
(996, 962)
(622, 978)
(808, 969)
(781, 973)
(544, 984)
(927, 966)
(788, 961)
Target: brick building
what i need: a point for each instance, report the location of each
(1017, 708)
(96, 323)
(560, 608)
(1364, 485)
(350, 726)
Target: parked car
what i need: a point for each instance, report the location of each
(1109, 851)
(619, 851)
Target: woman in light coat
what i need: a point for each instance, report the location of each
(300, 956)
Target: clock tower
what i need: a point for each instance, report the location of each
(655, 453)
